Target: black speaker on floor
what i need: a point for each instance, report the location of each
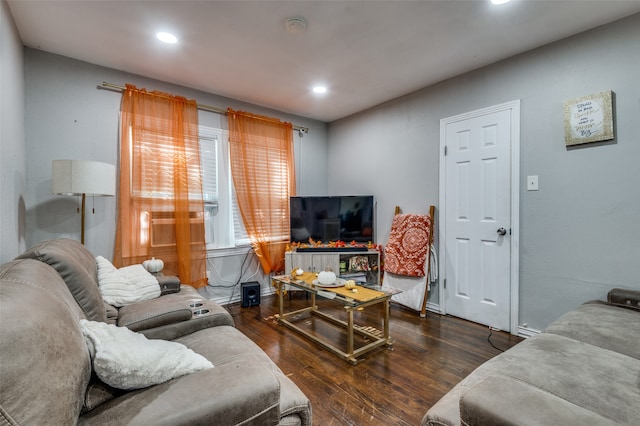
(250, 294)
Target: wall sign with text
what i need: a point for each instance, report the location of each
(588, 119)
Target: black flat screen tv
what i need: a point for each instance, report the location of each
(332, 218)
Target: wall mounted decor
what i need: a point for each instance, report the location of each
(588, 119)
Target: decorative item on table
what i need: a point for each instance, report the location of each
(296, 272)
(351, 285)
(359, 263)
(153, 265)
(326, 277)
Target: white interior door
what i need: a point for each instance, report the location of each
(478, 217)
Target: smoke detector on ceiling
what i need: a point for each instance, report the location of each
(295, 25)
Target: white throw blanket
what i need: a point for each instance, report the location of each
(433, 271)
(128, 360)
(127, 285)
(413, 288)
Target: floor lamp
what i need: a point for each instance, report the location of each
(78, 177)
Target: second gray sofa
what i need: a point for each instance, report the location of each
(584, 369)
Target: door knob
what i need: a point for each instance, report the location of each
(502, 231)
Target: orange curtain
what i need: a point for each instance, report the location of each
(263, 171)
(160, 207)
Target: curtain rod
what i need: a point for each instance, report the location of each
(210, 108)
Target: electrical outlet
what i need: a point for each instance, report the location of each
(532, 183)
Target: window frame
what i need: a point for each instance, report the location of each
(222, 212)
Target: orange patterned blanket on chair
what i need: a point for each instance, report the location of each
(408, 245)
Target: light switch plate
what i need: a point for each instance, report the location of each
(532, 183)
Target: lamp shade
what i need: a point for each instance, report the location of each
(76, 177)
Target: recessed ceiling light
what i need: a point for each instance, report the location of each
(167, 37)
(319, 89)
(500, 1)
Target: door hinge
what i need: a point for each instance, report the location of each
(445, 283)
(445, 150)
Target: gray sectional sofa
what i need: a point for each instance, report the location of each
(584, 369)
(46, 372)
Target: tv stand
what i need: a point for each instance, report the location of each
(330, 249)
(357, 263)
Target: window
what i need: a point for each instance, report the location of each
(152, 191)
(223, 224)
(222, 220)
(272, 176)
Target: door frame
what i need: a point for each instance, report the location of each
(514, 108)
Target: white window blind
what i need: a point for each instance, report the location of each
(153, 162)
(240, 234)
(272, 177)
(152, 173)
(209, 140)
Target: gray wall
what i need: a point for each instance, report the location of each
(13, 167)
(580, 233)
(70, 118)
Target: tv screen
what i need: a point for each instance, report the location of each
(332, 218)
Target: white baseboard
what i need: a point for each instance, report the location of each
(433, 307)
(237, 297)
(527, 332)
(225, 300)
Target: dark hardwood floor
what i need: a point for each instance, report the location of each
(387, 387)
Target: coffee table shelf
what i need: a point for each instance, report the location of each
(364, 298)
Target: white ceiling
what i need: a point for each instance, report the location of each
(366, 52)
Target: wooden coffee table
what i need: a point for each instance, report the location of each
(351, 302)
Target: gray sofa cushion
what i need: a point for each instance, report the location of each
(520, 403)
(192, 400)
(295, 407)
(77, 267)
(258, 389)
(602, 325)
(45, 365)
(593, 378)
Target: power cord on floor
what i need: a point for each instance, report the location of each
(490, 342)
(233, 285)
(239, 280)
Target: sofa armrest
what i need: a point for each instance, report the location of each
(112, 313)
(149, 314)
(624, 297)
(243, 392)
(498, 401)
(173, 315)
(168, 284)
